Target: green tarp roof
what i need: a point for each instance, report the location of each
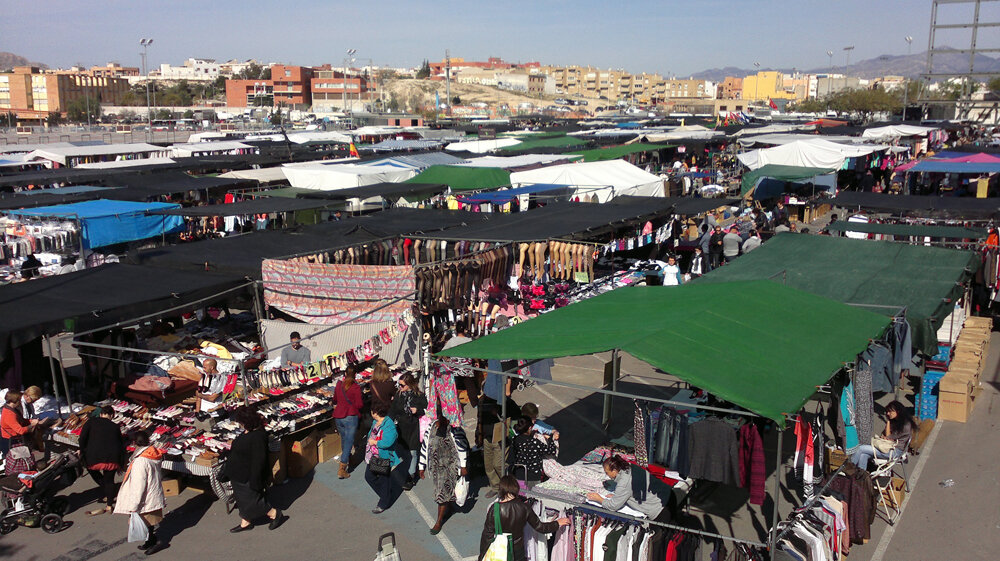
(285, 192)
(615, 152)
(921, 230)
(783, 173)
(758, 344)
(463, 178)
(531, 143)
(886, 276)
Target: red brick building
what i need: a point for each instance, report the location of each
(289, 85)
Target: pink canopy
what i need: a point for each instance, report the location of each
(980, 158)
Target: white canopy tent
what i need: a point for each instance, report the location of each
(75, 155)
(812, 153)
(481, 146)
(523, 160)
(119, 164)
(342, 176)
(895, 131)
(191, 149)
(606, 180)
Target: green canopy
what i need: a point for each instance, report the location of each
(884, 276)
(920, 230)
(284, 192)
(463, 178)
(782, 173)
(615, 152)
(531, 143)
(758, 344)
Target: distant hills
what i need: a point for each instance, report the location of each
(10, 60)
(910, 66)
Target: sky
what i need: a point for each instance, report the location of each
(673, 37)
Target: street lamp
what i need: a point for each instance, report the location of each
(756, 81)
(349, 59)
(149, 116)
(906, 83)
(829, 79)
(847, 64)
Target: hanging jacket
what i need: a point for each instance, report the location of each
(714, 452)
(752, 470)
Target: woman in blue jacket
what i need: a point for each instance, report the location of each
(382, 442)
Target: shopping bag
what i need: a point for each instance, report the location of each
(502, 548)
(387, 551)
(461, 491)
(137, 529)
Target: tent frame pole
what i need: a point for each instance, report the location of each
(52, 367)
(62, 371)
(777, 493)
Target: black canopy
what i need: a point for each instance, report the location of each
(384, 190)
(96, 297)
(251, 206)
(920, 204)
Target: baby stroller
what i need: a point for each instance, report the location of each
(38, 494)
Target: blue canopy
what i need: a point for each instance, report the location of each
(107, 222)
(955, 167)
(501, 197)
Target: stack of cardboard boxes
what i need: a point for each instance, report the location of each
(960, 387)
(296, 458)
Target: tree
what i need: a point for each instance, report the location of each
(76, 110)
(425, 70)
(189, 114)
(8, 119)
(455, 100)
(811, 106)
(994, 85)
(253, 71)
(163, 114)
(54, 120)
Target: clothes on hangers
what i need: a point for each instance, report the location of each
(714, 452)
(804, 454)
(753, 473)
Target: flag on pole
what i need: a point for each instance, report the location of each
(437, 100)
(772, 103)
(354, 149)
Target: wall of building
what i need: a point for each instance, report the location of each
(31, 91)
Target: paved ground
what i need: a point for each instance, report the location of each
(331, 519)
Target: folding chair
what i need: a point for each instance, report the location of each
(885, 470)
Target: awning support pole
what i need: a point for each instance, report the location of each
(62, 370)
(503, 426)
(777, 491)
(52, 367)
(613, 384)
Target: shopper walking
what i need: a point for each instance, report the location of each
(444, 453)
(715, 247)
(514, 513)
(142, 490)
(382, 387)
(382, 457)
(248, 471)
(491, 433)
(347, 416)
(406, 409)
(102, 449)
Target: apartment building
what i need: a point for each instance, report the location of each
(618, 84)
(730, 88)
(193, 69)
(334, 90)
(302, 87)
(30, 93)
(113, 70)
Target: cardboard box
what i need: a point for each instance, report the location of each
(834, 459)
(956, 383)
(172, 487)
(955, 406)
(328, 447)
(277, 459)
(896, 492)
(303, 456)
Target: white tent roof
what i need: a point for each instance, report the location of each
(509, 162)
(482, 146)
(606, 179)
(342, 176)
(262, 175)
(811, 153)
(62, 153)
(781, 139)
(192, 148)
(770, 129)
(896, 131)
(25, 148)
(117, 164)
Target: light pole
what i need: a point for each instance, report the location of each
(906, 83)
(847, 63)
(348, 61)
(756, 81)
(149, 116)
(829, 79)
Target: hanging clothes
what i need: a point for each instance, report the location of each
(804, 454)
(672, 436)
(714, 452)
(641, 452)
(864, 403)
(880, 362)
(753, 473)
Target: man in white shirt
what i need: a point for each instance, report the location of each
(751, 243)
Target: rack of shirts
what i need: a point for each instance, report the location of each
(819, 530)
(20, 238)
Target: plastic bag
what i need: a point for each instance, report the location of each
(461, 491)
(137, 529)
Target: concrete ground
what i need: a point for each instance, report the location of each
(331, 519)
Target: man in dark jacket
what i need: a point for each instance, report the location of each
(103, 452)
(715, 246)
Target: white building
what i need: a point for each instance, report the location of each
(193, 69)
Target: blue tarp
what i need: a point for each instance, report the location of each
(955, 167)
(107, 222)
(501, 197)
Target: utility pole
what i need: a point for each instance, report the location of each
(906, 82)
(829, 79)
(149, 115)
(447, 77)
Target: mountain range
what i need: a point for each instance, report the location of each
(910, 66)
(10, 60)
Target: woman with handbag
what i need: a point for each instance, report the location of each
(505, 521)
(443, 449)
(17, 430)
(382, 458)
(406, 409)
(347, 416)
(382, 387)
(895, 438)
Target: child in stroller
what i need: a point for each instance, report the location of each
(38, 495)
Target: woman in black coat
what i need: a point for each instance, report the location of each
(406, 409)
(102, 449)
(247, 469)
(514, 514)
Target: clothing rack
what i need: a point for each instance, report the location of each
(642, 521)
(812, 501)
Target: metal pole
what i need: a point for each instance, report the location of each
(55, 382)
(243, 377)
(503, 425)
(62, 370)
(777, 491)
